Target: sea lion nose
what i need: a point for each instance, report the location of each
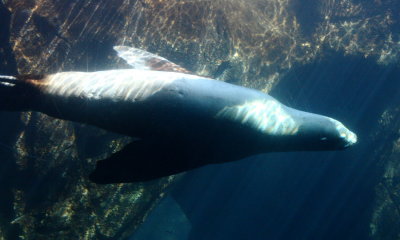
(349, 137)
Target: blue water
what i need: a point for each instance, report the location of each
(305, 195)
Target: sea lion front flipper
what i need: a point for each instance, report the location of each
(140, 59)
(141, 161)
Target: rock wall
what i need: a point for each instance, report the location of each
(385, 222)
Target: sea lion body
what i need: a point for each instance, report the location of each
(138, 103)
(183, 120)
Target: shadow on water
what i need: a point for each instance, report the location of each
(307, 195)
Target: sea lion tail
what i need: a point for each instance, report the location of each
(16, 93)
(7, 80)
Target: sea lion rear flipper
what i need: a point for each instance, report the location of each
(140, 161)
(17, 93)
(140, 59)
(7, 81)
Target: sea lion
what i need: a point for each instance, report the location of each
(182, 121)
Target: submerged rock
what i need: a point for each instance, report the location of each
(45, 192)
(385, 222)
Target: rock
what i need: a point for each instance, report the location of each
(45, 192)
(385, 222)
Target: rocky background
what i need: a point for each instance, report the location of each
(44, 190)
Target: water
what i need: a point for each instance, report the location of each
(336, 58)
(327, 195)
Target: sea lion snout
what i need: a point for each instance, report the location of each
(349, 138)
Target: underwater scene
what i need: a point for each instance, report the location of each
(200, 119)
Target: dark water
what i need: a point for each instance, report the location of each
(305, 195)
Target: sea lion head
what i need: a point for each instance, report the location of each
(280, 128)
(317, 132)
